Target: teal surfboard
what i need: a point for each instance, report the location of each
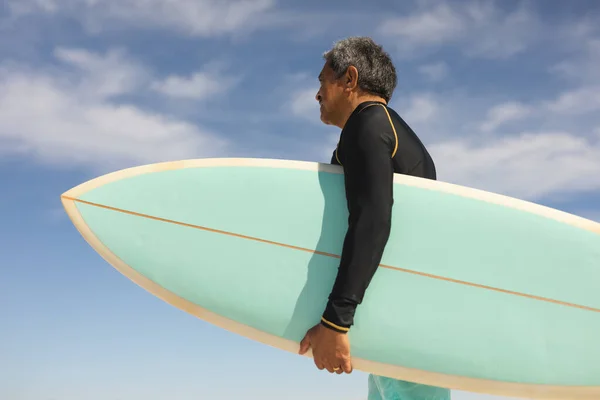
(476, 291)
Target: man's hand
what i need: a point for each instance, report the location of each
(331, 349)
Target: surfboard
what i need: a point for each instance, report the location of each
(476, 291)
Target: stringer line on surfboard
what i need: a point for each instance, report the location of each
(424, 274)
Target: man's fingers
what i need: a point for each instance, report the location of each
(319, 364)
(334, 366)
(323, 362)
(304, 345)
(347, 366)
(329, 367)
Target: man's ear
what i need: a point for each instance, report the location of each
(351, 77)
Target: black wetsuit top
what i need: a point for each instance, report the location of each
(374, 144)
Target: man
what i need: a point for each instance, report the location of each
(357, 82)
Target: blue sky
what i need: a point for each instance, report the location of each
(505, 94)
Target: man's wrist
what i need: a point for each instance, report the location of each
(339, 315)
(334, 327)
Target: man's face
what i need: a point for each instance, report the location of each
(330, 96)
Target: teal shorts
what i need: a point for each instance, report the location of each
(382, 388)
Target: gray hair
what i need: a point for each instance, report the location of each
(376, 72)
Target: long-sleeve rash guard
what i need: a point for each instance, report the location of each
(374, 144)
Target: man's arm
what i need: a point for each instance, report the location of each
(368, 173)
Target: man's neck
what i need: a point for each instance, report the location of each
(355, 102)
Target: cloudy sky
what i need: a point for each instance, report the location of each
(504, 93)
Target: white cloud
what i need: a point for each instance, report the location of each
(581, 69)
(436, 116)
(584, 58)
(193, 17)
(434, 26)
(106, 75)
(200, 85)
(421, 108)
(496, 35)
(303, 103)
(20, 7)
(66, 117)
(531, 165)
(435, 71)
(503, 113)
(578, 101)
(299, 91)
(480, 28)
